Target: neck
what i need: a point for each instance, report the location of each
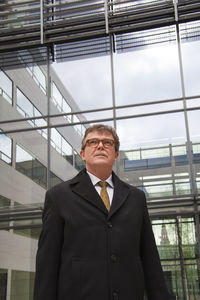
(101, 173)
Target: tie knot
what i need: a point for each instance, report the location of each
(103, 184)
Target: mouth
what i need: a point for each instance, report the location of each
(101, 154)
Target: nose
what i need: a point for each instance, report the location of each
(100, 145)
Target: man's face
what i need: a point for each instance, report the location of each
(99, 155)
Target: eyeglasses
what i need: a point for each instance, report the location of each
(107, 143)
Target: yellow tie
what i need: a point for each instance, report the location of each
(104, 194)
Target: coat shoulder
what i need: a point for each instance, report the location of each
(63, 186)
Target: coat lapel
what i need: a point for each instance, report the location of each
(82, 186)
(121, 192)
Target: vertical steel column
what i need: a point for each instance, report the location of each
(41, 22)
(183, 275)
(112, 79)
(48, 119)
(8, 287)
(113, 91)
(189, 146)
(197, 234)
(106, 16)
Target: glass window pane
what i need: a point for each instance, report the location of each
(149, 158)
(149, 74)
(88, 81)
(191, 67)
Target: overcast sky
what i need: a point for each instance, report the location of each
(149, 74)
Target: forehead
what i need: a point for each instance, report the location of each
(100, 134)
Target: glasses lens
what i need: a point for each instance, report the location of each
(95, 142)
(108, 143)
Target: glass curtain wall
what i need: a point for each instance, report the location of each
(150, 93)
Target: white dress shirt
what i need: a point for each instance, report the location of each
(110, 187)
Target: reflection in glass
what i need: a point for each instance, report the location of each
(27, 109)
(193, 120)
(5, 148)
(4, 203)
(38, 75)
(61, 145)
(6, 88)
(60, 101)
(54, 179)
(79, 163)
(3, 283)
(22, 284)
(160, 170)
(30, 166)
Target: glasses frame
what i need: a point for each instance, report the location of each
(103, 141)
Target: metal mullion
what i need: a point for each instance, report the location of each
(48, 120)
(99, 120)
(103, 109)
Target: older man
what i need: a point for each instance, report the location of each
(97, 241)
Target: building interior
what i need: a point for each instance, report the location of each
(134, 65)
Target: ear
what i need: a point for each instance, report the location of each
(82, 154)
(116, 155)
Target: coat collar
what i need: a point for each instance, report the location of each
(82, 185)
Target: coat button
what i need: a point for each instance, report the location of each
(110, 225)
(113, 258)
(115, 296)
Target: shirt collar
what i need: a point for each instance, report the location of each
(95, 179)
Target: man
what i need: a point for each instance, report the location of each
(91, 250)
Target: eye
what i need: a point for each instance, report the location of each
(107, 143)
(93, 142)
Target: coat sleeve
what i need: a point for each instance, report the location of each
(154, 278)
(49, 250)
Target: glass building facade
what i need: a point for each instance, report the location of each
(134, 65)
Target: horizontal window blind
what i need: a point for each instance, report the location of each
(75, 29)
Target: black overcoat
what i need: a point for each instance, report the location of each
(86, 253)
